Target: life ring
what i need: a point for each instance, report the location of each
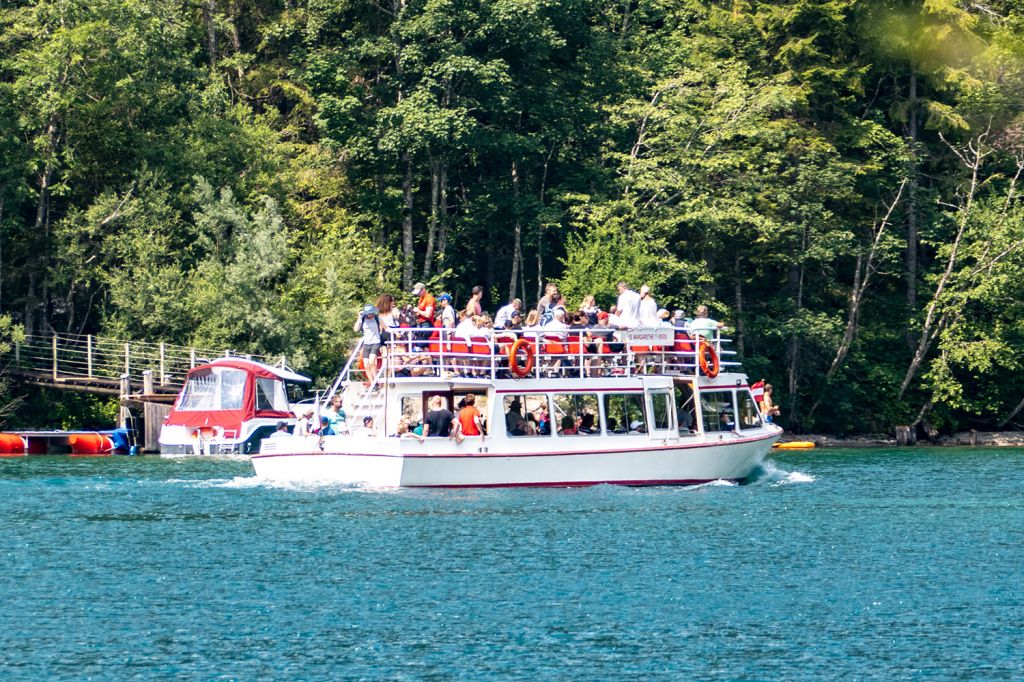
(708, 359)
(521, 371)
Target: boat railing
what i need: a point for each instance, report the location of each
(436, 352)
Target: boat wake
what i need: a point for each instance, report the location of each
(772, 475)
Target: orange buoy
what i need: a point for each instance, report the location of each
(11, 445)
(90, 444)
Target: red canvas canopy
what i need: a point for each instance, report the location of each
(223, 394)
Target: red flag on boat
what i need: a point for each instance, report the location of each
(757, 390)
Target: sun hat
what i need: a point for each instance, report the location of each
(369, 310)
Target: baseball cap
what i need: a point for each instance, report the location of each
(369, 310)
(602, 315)
(442, 297)
(418, 287)
(633, 426)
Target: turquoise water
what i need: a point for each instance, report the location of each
(854, 564)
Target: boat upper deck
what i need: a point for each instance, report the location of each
(571, 354)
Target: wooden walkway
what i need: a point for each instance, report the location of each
(134, 370)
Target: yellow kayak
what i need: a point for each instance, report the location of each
(795, 445)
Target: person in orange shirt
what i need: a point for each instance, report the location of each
(425, 307)
(470, 420)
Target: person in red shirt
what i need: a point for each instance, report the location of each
(470, 420)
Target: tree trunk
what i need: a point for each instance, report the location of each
(407, 206)
(209, 11)
(435, 214)
(517, 247)
(442, 237)
(910, 258)
(739, 306)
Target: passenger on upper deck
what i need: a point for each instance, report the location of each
(386, 314)
(504, 314)
(515, 321)
(627, 307)
(589, 308)
(557, 326)
(648, 308)
(532, 325)
(424, 306)
(554, 307)
(473, 306)
(704, 325)
(545, 300)
(679, 319)
(447, 312)
(368, 324)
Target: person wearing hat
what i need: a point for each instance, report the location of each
(679, 319)
(369, 325)
(663, 318)
(425, 305)
(447, 311)
(281, 431)
(504, 314)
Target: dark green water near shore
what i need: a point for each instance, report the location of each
(861, 564)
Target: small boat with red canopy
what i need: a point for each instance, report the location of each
(227, 406)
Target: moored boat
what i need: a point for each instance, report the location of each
(226, 407)
(656, 407)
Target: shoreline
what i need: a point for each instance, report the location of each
(999, 439)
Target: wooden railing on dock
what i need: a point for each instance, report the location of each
(108, 366)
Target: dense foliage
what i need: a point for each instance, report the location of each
(836, 178)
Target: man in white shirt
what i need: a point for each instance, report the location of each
(466, 330)
(504, 314)
(557, 326)
(628, 307)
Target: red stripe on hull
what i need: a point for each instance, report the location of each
(577, 484)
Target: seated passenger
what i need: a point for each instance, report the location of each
(704, 325)
(637, 426)
(568, 426)
(613, 426)
(325, 427)
(725, 421)
(404, 431)
(515, 425)
(504, 314)
(586, 426)
(281, 431)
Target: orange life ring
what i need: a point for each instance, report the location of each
(708, 359)
(521, 371)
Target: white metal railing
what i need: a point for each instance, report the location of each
(570, 353)
(97, 358)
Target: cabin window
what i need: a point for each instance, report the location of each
(271, 395)
(684, 411)
(527, 414)
(219, 389)
(412, 408)
(661, 410)
(717, 411)
(576, 414)
(750, 417)
(624, 413)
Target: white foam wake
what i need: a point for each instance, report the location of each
(775, 476)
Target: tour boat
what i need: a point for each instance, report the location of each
(649, 407)
(226, 407)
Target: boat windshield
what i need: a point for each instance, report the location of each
(219, 388)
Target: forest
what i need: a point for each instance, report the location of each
(836, 179)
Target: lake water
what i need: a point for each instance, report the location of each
(859, 564)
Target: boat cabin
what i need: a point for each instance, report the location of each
(227, 406)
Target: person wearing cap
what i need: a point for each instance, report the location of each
(369, 325)
(447, 315)
(281, 431)
(425, 306)
(504, 314)
(679, 319)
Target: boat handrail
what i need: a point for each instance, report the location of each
(556, 353)
(345, 371)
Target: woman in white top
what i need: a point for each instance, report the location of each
(648, 308)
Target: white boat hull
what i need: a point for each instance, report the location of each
(630, 460)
